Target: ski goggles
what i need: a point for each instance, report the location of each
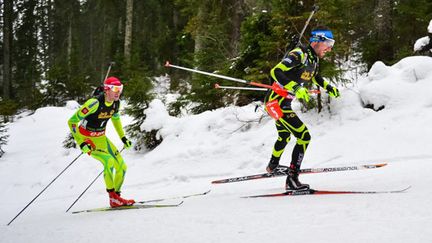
(328, 42)
(114, 88)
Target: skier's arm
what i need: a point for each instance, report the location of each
(89, 107)
(119, 128)
(295, 57)
(333, 91)
(118, 124)
(320, 81)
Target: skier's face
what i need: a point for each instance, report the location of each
(112, 96)
(321, 48)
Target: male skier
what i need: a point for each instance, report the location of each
(299, 67)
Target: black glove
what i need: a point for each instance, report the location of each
(333, 91)
(127, 143)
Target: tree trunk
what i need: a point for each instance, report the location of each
(7, 47)
(383, 28)
(237, 18)
(69, 45)
(128, 31)
(199, 32)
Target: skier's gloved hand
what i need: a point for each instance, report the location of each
(302, 93)
(333, 91)
(127, 143)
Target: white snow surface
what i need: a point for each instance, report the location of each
(233, 141)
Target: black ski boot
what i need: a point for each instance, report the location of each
(293, 183)
(273, 164)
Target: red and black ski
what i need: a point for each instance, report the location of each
(282, 171)
(322, 192)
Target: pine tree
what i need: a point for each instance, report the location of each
(137, 93)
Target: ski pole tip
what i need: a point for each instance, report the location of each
(167, 64)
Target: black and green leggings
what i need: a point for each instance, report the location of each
(289, 123)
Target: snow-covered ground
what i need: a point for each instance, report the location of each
(233, 141)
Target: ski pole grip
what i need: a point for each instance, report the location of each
(167, 64)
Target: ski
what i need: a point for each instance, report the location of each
(282, 171)
(323, 192)
(177, 197)
(135, 206)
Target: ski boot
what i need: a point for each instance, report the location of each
(273, 164)
(117, 201)
(127, 202)
(293, 183)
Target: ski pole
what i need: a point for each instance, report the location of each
(84, 191)
(217, 86)
(44, 189)
(280, 91)
(167, 64)
(87, 188)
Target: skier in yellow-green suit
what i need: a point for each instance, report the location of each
(88, 127)
(299, 67)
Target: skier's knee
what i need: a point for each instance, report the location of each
(284, 136)
(305, 138)
(124, 167)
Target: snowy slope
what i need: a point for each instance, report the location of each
(233, 141)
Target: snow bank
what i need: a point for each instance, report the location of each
(405, 84)
(418, 45)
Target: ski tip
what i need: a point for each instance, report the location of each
(406, 188)
(381, 165)
(167, 64)
(207, 192)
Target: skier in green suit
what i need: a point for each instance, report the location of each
(88, 127)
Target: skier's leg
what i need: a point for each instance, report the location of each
(101, 153)
(120, 168)
(291, 122)
(119, 165)
(300, 131)
(106, 153)
(283, 139)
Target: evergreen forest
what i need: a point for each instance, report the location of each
(53, 51)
